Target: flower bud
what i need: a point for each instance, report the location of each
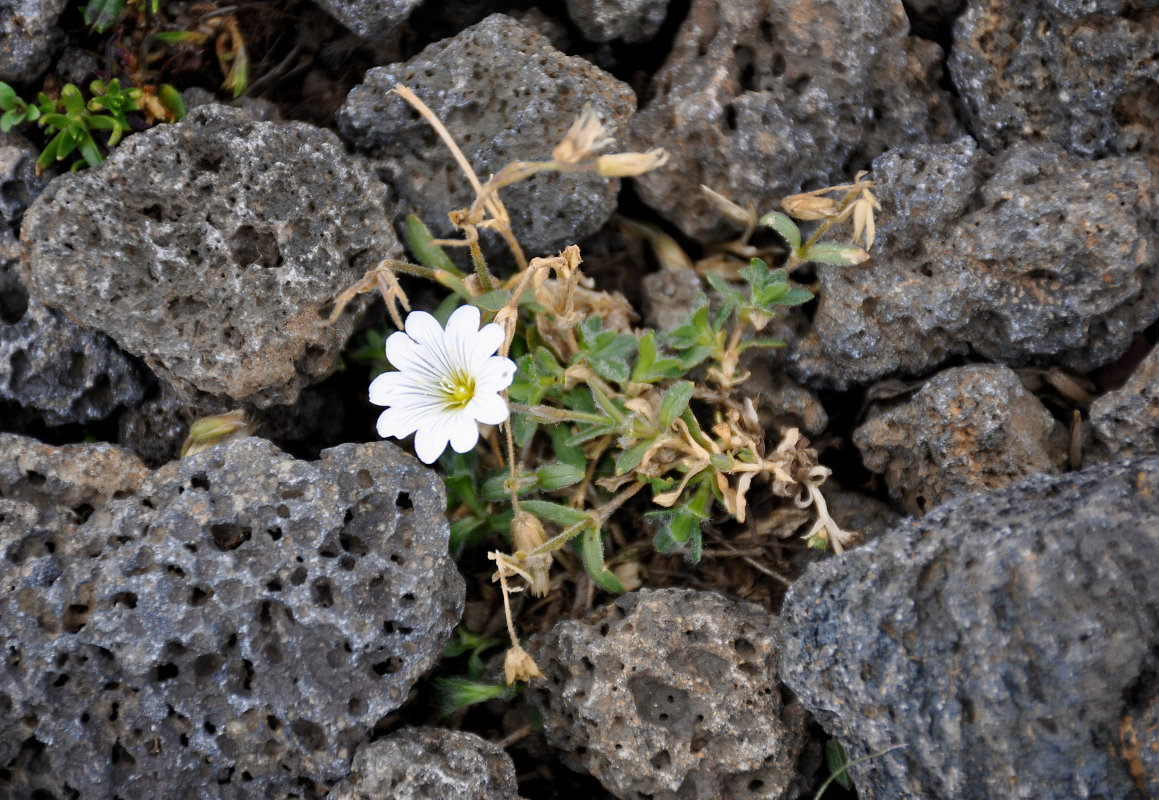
(208, 431)
(810, 207)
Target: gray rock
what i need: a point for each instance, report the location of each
(377, 20)
(670, 297)
(995, 256)
(157, 428)
(231, 630)
(968, 429)
(19, 183)
(1004, 638)
(58, 372)
(1080, 73)
(760, 99)
(629, 20)
(28, 37)
(1126, 420)
(671, 693)
(220, 265)
(504, 94)
(430, 764)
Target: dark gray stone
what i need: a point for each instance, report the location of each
(375, 19)
(221, 264)
(505, 95)
(1005, 638)
(968, 429)
(28, 37)
(58, 372)
(759, 99)
(628, 20)
(1126, 420)
(1080, 73)
(1028, 256)
(671, 693)
(233, 629)
(430, 764)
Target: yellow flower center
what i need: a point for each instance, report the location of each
(458, 390)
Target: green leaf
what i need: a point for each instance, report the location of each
(100, 14)
(693, 356)
(88, 149)
(783, 225)
(74, 104)
(523, 428)
(795, 297)
(8, 96)
(840, 254)
(836, 762)
(731, 295)
(554, 512)
(495, 487)
(465, 534)
(675, 400)
(649, 368)
(177, 37)
(172, 100)
(587, 433)
(10, 118)
(761, 343)
(564, 452)
(66, 143)
(558, 476)
(48, 155)
(630, 459)
(593, 552)
(492, 301)
(420, 241)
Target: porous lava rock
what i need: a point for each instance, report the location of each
(232, 629)
(627, 20)
(968, 429)
(758, 100)
(375, 19)
(505, 95)
(214, 249)
(671, 693)
(28, 37)
(1005, 639)
(1083, 74)
(54, 371)
(1126, 420)
(430, 764)
(1031, 255)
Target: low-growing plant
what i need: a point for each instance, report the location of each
(70, 122)
(597, 410)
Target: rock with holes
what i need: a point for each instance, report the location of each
(232, 630)
(375, 19)
(1028, 256)
(760, 99)
(504, 94)
(53, 370)
(1006, 640)
(157, 428)
(430, 764)
(28, 37)
(221, 261)
(1080, 73)
(672, 693)
(1126, 420)
(627, 20)
(968, 429)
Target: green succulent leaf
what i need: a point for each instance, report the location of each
(783, 225)
(554, 512)
(839, 254)
(593, 553)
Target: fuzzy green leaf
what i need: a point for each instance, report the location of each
(630, 459)
(675, 400)
(554, 512)
(783, 225)
(558, 476)
(840, 254)
(492, 301)
(593, 552)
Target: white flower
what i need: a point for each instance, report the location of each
(446, 382)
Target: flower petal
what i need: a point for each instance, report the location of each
(424, 328)
(401, 421)
(463, 323)
(464, 432)
(485, 342)
(386, 388)
(495, 374)
(488, 407)
(432, 437)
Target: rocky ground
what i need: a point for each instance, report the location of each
(265, 619)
